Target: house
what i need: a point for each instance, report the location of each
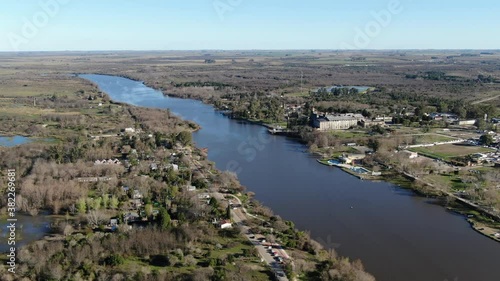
(131, 217)
(204, 196)
(372, 123)
(93, 179)
(137, 194)
(174, 167)
(136, 203)
(107, 162)
(410, 154)
(383, 118)
(465, 122)
(225, 224)
(350, 158)
(191, 188)
(129, 130)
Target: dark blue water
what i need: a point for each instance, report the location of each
(397, 235)
(28, 229)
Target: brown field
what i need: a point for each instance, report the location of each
(258, 71)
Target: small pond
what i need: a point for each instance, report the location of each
(13, 140)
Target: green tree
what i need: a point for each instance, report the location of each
(480, 124)
(148, 208)
(486, 139)
(81, 206)
(113, 203)
(185, 138)
(442, 107)
(105, 201)
(373, 144)
(228, 212)
(56, 153)
(114, 260)
(164, 218)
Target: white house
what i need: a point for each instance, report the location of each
(226, 224)
(137, 194)
(410, 154)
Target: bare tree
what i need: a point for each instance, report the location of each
(95, 218)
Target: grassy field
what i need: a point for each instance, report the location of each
(348, 134)
(452, 181)
(431, 138)
(449, 151)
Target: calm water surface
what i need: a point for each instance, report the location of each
(13, 141)
(397, 235)
(28, 229)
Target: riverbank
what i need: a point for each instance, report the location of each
(480, 222)
(281, 156)
(290, 237)
(391, 177)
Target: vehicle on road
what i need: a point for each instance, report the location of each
(280, 274)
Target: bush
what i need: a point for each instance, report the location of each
(159, 260)
(114, 260)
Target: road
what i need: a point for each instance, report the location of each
(239, 216)
(485, 100)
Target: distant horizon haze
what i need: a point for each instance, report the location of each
(71, 25)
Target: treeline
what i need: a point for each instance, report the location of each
(259, 108)
(323, 94)
(216, 85)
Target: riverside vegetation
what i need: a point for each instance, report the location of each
(281, 88)
(92, 206)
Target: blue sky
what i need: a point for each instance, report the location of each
(50, 25)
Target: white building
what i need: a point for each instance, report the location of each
(226, 224)
(336, 122)
(410, 154)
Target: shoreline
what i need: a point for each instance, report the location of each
(475, 224)
(195, 146)
(411, 187)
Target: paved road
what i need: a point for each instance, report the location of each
(239, 216)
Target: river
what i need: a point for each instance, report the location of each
(398, 235)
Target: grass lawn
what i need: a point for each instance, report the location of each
(449, 151)
(432, 138)
(452, 181)
(348, 134)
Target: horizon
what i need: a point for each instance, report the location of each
(242, 50)
(234, 25)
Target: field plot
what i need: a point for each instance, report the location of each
(449, 151)
(431, 138)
